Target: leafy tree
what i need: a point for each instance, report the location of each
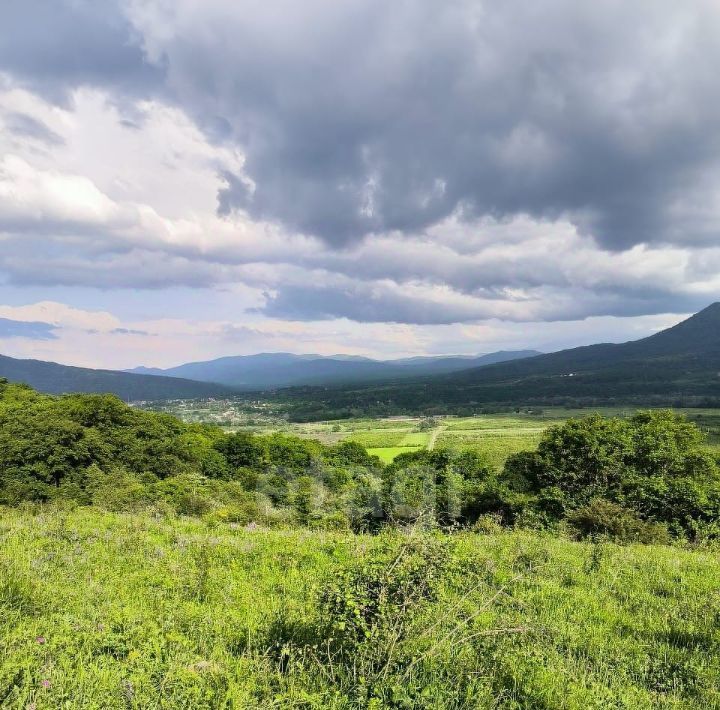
(585, 457)
(350, 452)
(304, 499)
(652, 464)
(242, 450)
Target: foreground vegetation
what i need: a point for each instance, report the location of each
(147, 562)
(105, 610)
(648, 477)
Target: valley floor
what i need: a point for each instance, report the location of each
(101, 610)
(496, 436)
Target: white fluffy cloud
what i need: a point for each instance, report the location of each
(62, 316)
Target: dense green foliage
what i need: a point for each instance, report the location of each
(643, 478)
(95, 449)
(652, 464)
(114, 611)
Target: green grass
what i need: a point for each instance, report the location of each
(416, 438)
(495, 445)
(497, 422)
(387, 454)
(377, 439)
(118, 611)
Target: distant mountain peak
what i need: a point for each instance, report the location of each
(698, 333)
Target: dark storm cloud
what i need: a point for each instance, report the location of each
(367, 116)
(35, 330)
(363, 303)
(370, 116)
(53, 46)
(370, 303)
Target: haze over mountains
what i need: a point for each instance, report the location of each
(229, 376)
(272, 370)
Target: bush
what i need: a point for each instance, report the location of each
(332, 521)
(602, 518)
(365, 600)
(651, 467)
(488, 524)
(118, 490)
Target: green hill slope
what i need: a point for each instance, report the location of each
(54, 378)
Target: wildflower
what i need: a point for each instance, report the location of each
(40, 639)
(45, 683)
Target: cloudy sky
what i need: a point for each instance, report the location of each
(184, 179)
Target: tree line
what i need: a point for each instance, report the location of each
(647, 478)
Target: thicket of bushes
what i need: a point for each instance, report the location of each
(645, 478)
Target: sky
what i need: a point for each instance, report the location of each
(187, 179)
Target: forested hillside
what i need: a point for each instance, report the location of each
(55, 378)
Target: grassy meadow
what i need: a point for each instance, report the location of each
(103, 610)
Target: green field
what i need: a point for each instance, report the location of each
(496, 423)
(388, 454)
(104, 611)
(495, 447)
(377, 438)
(418, 438)
(497, 436)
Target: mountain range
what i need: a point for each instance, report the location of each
(230, 376)
(273, 370)
(679, 365)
